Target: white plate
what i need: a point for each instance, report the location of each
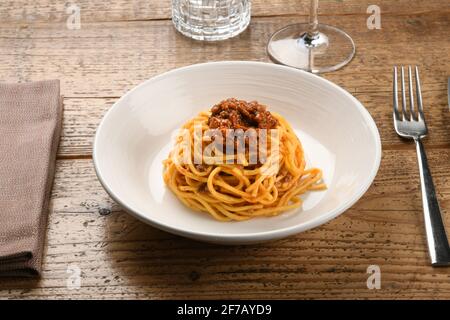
(337, 132)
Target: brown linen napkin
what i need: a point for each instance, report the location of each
(30, 125)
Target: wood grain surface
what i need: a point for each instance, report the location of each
(120, 44)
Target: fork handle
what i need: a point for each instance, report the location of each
(434, 226)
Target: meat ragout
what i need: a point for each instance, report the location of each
(239, 114)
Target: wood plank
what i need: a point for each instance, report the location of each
(120, 257)
(108, 59)
(80, 120)
(118, 47)
(102, 62)
(38, 11)
(82, 116)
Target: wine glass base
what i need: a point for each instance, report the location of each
(329, 50)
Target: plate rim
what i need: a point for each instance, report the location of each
(253, 236)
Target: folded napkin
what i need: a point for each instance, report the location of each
(30, 125)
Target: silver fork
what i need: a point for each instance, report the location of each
(411, 125)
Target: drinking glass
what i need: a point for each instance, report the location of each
(211, 19)
(313, 46)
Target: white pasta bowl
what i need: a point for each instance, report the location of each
(135, 136)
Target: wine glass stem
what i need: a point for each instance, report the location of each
(313, 31)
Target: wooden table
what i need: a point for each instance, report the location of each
(123, 42)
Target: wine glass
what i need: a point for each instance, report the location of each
(313, 46)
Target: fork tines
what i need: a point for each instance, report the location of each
(401, 114)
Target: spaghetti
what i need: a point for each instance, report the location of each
(237, 190)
